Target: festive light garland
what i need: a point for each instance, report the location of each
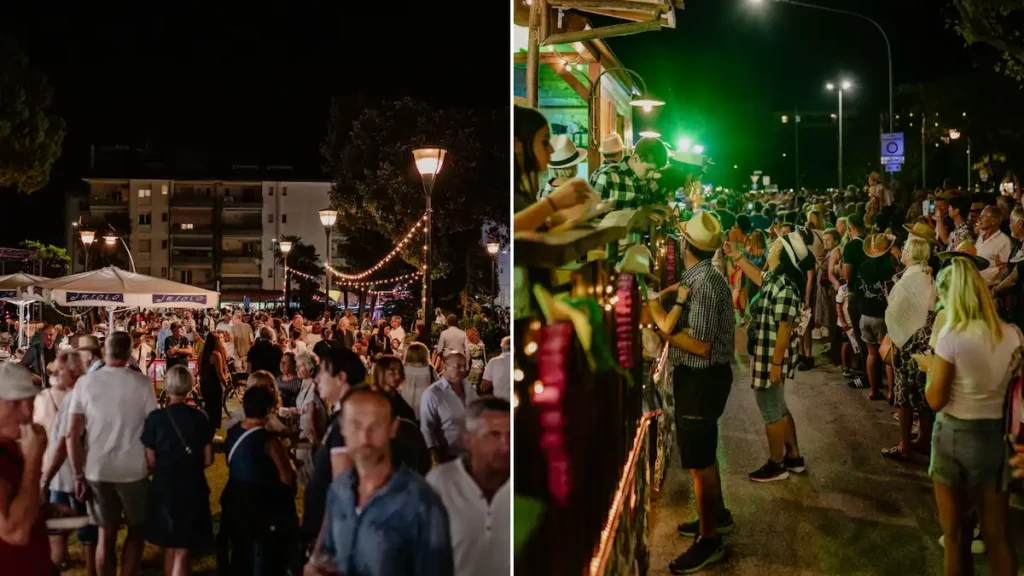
(420, 224)
(624, 331)
(370, 283)
(670, 260)
(304, 275)
(549, 393)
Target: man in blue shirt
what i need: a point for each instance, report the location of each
(381, 518)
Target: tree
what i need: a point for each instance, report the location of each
(997, 23)
(55, 260)
(380, 196)
(30, 136)
(301, 258)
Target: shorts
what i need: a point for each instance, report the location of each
(700, 398)
(772, 402)
(969, 453)
(872, 329)
(86, 535)
(111, 500)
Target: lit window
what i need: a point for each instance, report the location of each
(145, 193)
(188, 226)
(163, 189)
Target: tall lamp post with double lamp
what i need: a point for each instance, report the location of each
(428, 163)
(840, 87)
(88, 237)
(328, 217)
(111, 239)
(492, 249)
(286, 247)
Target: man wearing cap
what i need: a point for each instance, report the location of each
(993, 245)
(612, 149)
(627, 183)
(960, 208)
(24, 546)
(702, 342)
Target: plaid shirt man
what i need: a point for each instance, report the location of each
(618, 183)
(777, 302)
(707, 316)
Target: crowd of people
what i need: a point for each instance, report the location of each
(914, 296)
(402, 452)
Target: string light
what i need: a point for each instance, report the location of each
(421, 224)
(371, 283)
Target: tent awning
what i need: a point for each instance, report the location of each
(115, 288)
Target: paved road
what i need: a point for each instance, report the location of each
(853, 512)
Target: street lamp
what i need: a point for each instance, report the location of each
(286, 247)
(492, 249)
(111, 239)
(428, 163)
(328, 217)
(88, 236)
(843, 85)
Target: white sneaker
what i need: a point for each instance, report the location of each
(977, 544)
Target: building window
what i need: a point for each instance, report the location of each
(271, 191)
(188, 226)
(163, 217)
(145, 193)
(284, 218)
(270, 218)
(145, 245)
(163, 272)
(284, 191)
(163, 189)
(186, 276)
(145, 219)
(270, 274)
(163, 244)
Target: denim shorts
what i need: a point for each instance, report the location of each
(969, 453)
(86, 535)
(772, 402)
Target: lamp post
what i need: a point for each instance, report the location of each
(328, 217)
(492, 249)
(112, 238)
(843, 85)
(642, 100)
(428, 163)
(88, 237)
(954, 134)
(286, 247)
(74, 226)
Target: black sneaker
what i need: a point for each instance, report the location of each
(770, 472)
(703, 552)
(806, 363)
(692, 528)
(794, 465)
(847, 373)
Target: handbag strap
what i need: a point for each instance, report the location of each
(181, 437)
(240, 439)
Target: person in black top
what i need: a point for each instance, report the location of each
(177, 349)
(40, 355)
(388, 376)
(264, 355)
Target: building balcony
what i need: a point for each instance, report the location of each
(239, 258)
(177, 231)
(184, 258)
(241, 230)
(239, 282)
(107, 204)
(230, 203)
(191, 201)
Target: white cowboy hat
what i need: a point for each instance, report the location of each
(703, 231)
(566, 154)
(612, 144)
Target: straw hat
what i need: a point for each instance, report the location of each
(703, 231)
(88, 343)
(637, 260)
(948, 194)
(923, 231)
(876, 245)
(612, 144)
(566, 154)
(965, 249)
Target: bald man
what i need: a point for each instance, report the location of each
(380, 493)
(993, 245)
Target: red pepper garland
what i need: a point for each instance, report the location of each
(670, 260)
(625, 330)
(548, 396)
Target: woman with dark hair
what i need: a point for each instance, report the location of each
(379, 342)
(772, 341)
(388, 377)
(531, 138)
(213, 376)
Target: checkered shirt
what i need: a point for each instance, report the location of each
(707, 316)
(777, 302)
(618, 183)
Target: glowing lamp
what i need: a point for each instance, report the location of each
(328, 217)
(88, 236)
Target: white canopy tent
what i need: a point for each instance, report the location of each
(116, 288)
(18, 289)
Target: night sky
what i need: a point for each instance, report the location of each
(242, 84)
(730, 69)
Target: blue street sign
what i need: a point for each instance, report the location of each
(893, 167)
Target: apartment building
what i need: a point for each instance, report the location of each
(217, 234)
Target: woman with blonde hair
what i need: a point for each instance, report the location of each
(419, 375)
(909, 317)
(312, 412)
(477, 358)
(261, 379)
(967, 380)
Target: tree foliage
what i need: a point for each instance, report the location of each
(999, 24)
(55, 260)
(30, 136)
(380, 195)
(303, 258)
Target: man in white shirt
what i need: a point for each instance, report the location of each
(498, 372)
(453, 339)
(993, 245)
(443, 410)
(242, 335)
(878, 190)
(396, 328)
(475, 491)
(109, 406)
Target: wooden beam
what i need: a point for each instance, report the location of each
(572, 81)
(603, 32)
(593, 119)
(552, 57)
(628, 15)
(532, 56)
(630, 5)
